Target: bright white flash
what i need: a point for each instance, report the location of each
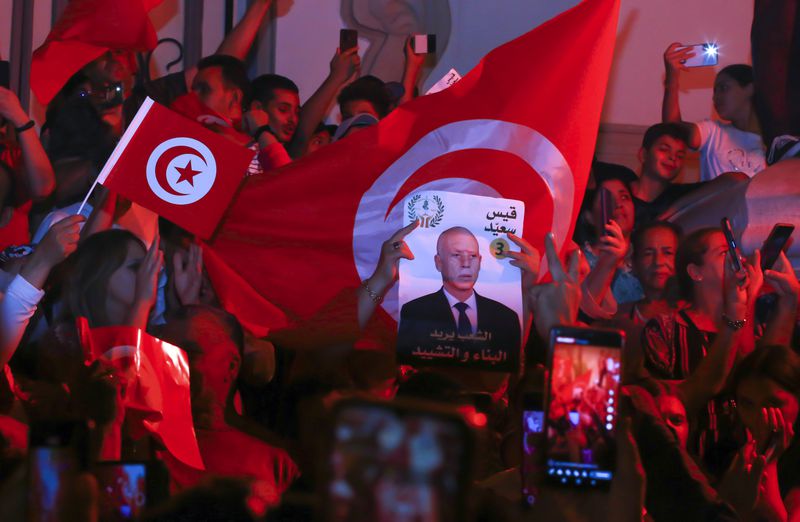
(711, 50)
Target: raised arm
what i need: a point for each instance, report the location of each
(781, 325)
(372, 290)
(19, 303)
(39, 175)
(712, 373)
(674, 57)
(238, 42)
(345, 66)
(612, 248)
(413, 65)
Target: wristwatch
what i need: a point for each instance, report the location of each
(734, 325)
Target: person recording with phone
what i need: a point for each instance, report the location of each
(608, 216)
(699, 345)
(731, 145)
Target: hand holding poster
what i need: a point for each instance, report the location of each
(460, 298)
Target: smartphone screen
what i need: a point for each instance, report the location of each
(606, 208)
(423, 43)
(395, 464)
(583, 391)
(705, 55)
(57, 454)
(533, 441)
(733, 251)
(774, 244)
(348, 38)
(123, 489)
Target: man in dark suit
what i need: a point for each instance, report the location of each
(455, 322)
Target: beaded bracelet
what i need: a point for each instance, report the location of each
(376, 297)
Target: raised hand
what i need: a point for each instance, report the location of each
(741, 484)
(392, 251)
(613, 245)
(735, 289)
(346, 65)
(11, 109)
(413, 60)
(675, 58)
(187, 274)
(59, 242)
(528, 260)
(146, 286)
(556, 302)
(783, 279)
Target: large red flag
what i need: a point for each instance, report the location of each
(522, 125)
(176, 167)
(84, 31)
(157, 375)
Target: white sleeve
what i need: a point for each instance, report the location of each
(17, 307)
(706, 128)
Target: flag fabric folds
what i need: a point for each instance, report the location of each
(177, 168)
(522, 125)
(84, 31)
(157, 376)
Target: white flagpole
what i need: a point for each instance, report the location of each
(120, 148)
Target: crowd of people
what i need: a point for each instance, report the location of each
(710, 371)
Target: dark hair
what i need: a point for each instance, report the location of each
(368, 88)
(603, 171)
(91, 266)
(740, 72)
(777, 363)
(673, 130)
(584, 230)
(234, 73)
(77, 130)
(232, 326)
(265, 85)
(637, 238)
(691, 252)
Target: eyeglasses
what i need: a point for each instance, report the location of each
(105, 96)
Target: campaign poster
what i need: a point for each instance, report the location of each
(460, 298)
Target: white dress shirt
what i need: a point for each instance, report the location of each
(471, 311)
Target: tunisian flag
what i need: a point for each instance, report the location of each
(176, 167)
(157, 376)
(522, 125)
(84, 31)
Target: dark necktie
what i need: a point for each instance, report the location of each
(464, 326)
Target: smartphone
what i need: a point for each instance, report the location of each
(733, 250)
(123, 489)
(774, 244)
(581, 415)
(533, 446)
(128, 487)
(58, 451)
(348, 38)
(705, 55)
(423, 43)
(396, 462)
(606, 209)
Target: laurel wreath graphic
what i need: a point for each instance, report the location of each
(436, 219)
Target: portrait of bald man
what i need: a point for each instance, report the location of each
(456, 308)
